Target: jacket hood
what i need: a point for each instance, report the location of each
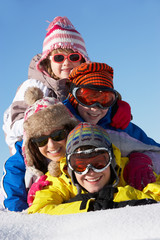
(58, 88)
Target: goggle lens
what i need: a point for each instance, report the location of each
(72, 57)
(56, 136)
(90, 97)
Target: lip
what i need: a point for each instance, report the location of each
(93, 180)
(55, 152)
(66, 69)
(93, 116)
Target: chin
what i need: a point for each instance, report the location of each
(91, 190)
(94, 122)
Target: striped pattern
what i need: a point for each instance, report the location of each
(87, 134)
(62, 34)
(91, 74)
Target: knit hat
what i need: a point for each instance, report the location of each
(62, 34)
(87, 134)
(41, 117)
(91, 75)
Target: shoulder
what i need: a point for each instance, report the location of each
(136, 132)
(26, 84)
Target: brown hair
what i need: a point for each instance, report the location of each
(39, 161)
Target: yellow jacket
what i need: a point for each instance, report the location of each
(52, 199)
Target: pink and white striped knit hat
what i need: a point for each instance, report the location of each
(62, 34)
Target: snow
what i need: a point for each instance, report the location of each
(140, 222)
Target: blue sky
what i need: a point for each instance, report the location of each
(125, 34)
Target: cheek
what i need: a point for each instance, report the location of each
(63, 143)
(107, 175)
(82, 110)
(42, 150)
(55, 67)
(76, 64)
(79, 178)
(104, 112)
(63, 147)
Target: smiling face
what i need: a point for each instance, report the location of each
(62, 70)
(92, 181)
(53, 150)
(91, 115)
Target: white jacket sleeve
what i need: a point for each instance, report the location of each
(13, 120)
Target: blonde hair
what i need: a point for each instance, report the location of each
(47, 63)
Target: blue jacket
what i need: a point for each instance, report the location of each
(132, 129)
(13, 181)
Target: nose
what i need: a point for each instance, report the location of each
(51, 142)
(94, 109)
(66, 61)
(90, 172)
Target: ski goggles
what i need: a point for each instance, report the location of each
(60, 57)
(97, 159)
(89, 97)
(56, 136)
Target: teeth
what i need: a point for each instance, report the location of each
(93, 180)
(55, 151)
(93, 115)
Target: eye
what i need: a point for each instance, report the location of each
(58, 58)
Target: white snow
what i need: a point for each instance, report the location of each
(141, 222)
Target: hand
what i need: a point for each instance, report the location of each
(138, 172)
(121, 113)
(36, 187)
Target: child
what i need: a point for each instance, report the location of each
(48, 71)
(91, 97)
(47, 123)
(63, 49)
(95, 167)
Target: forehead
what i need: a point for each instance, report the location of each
(52, 131)
(82, 148)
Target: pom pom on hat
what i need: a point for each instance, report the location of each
(34, 98)
(61, 21)
(32, 94)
